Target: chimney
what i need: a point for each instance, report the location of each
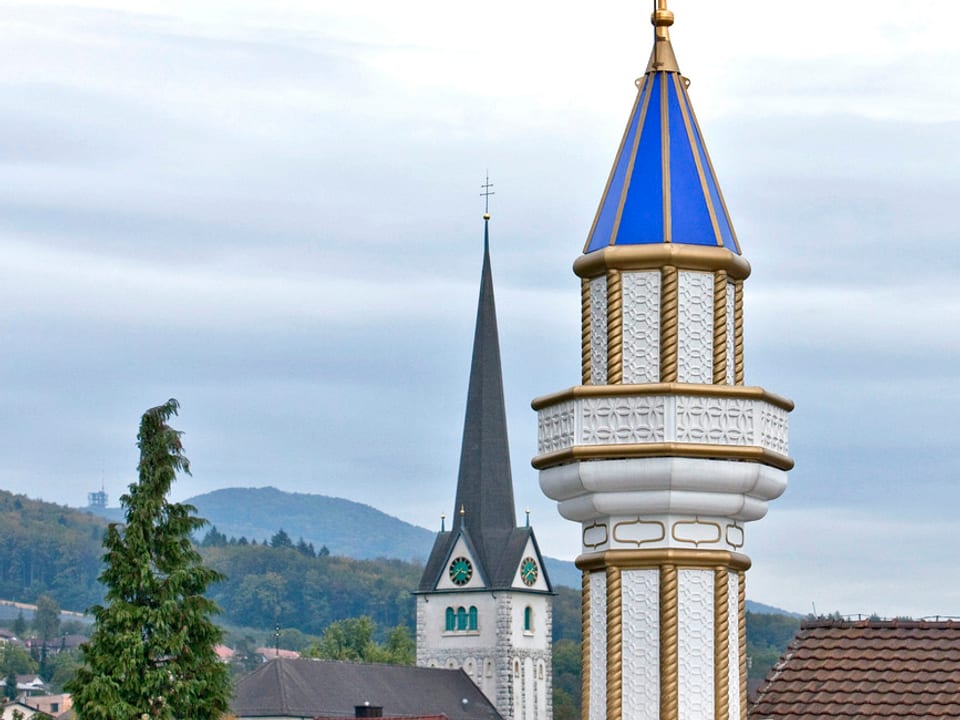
(367, 711)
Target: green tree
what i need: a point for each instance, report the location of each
(281, 540)
(152, 649)
(19, 627)
(353, 639)
(46, 620)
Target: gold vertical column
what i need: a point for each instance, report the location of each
(614, 645)
(742, 628)
(585, 646)
(585, 349)
(738, 332)
(669, 323)
(720, 327)
(721, 646)
(669, 639)
(614, 328)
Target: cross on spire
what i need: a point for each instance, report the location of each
(487, 192)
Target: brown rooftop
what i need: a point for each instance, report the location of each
(860, 670)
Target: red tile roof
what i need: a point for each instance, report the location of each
(862, 670)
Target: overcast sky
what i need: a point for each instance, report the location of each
(270, 211)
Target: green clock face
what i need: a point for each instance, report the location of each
(461, 571)
(529, 571)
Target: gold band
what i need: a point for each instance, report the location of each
(750, 453)
(614, 645)
(677, 557)
(585, 353)
(614, 328)
(703, 258)
(742, 631)
(669, 324)
(721, 661)
(585, 644)
(738, 332)
(720, 327)
(669, 638)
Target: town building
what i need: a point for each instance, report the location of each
(307, 688)
(865, 669)
(484, 600)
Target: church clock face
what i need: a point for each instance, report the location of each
(529, 571)
(461, 570)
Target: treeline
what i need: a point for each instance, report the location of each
(267, 586)
(49, 549)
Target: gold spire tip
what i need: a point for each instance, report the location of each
(486, 216)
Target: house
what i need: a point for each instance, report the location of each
(865, 669)
(53, 705)
(7, 712)
(307, 688)
(30, 685)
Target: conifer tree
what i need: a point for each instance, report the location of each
(151, 654)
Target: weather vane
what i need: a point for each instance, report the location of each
(487, 192)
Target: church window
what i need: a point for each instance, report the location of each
(473, 618)
(451, 620)
(528, 619)
(461, 618)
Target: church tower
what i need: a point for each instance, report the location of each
(484, 601)
(662, 453)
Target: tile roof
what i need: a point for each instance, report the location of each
(318, 688)
(861, 670)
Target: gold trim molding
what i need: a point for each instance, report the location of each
(614, 645)
(750, 453)
(654, 256)
(679, 557)
(614, 328)
(721, 657)
(743, 392)
(585, 320)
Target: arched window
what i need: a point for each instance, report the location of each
(473, 617)
(451, 619)
(461, 618)
(528, 619)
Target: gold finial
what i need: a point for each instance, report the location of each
(662, 19)
(462, 511)
(662, 58)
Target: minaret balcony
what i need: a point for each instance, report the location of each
(662, 420)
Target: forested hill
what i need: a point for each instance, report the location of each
(344, 527)
(48, 548)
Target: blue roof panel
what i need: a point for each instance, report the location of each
(607, 215)
(690, 216)
(653, 197)
(641, 221)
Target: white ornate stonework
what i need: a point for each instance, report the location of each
(640, 601)
(733, 646)
(695, 646)
(598, 646)
(773, 429)
(641, 327)
(695, 328)
(598, 330)
(634, 419)
(720, 420)
(615, 420)
(731, 334)
(555, 427)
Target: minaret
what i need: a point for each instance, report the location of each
(484, 601)
(662, 454)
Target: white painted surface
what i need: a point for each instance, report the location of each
(695, 644)
(641, 327)
(598, 330)
(598, 646)
(695, 327)
(640, 602)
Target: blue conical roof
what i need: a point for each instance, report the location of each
(662, 188)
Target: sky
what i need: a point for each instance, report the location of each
(270, 210)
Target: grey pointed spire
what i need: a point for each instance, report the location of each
(485, 486)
